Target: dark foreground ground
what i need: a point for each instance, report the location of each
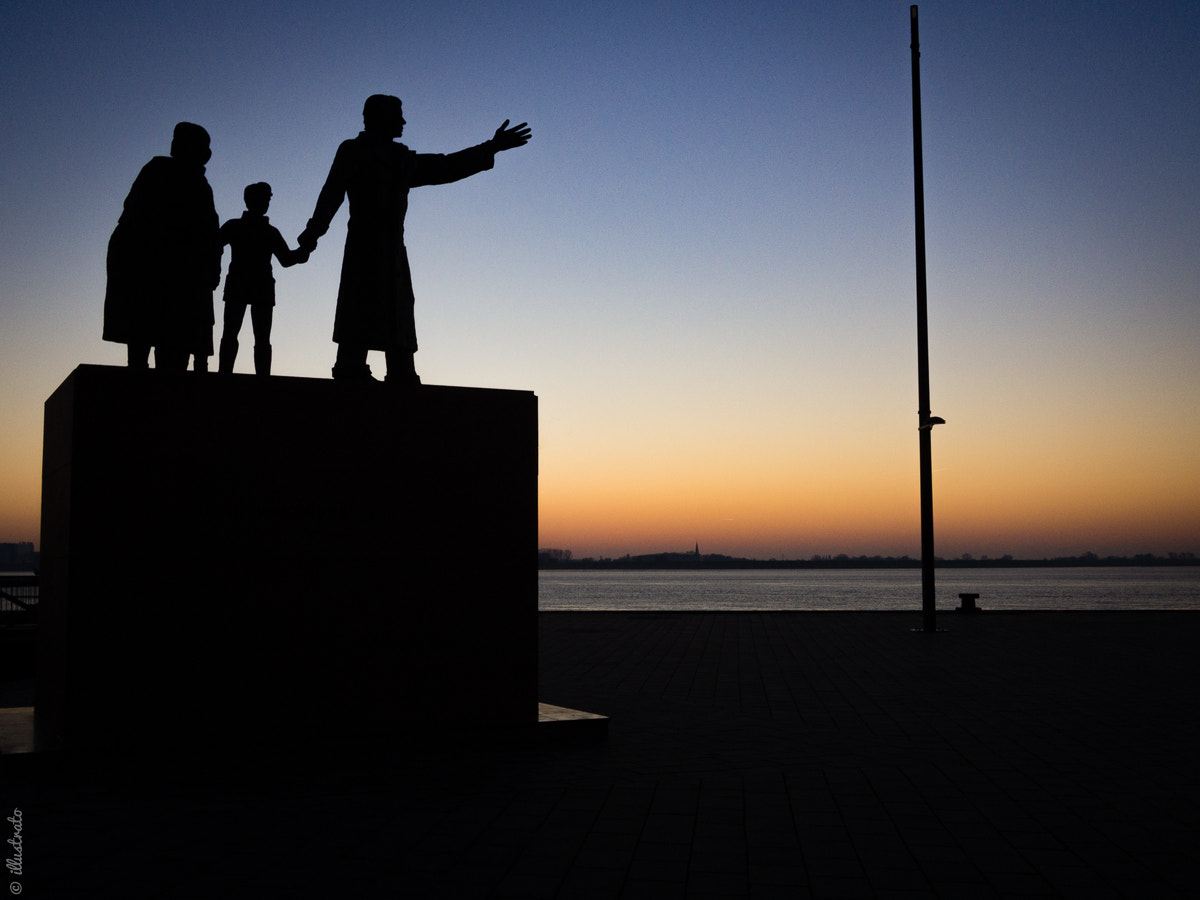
(749, 754)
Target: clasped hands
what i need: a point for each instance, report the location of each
(307, 243)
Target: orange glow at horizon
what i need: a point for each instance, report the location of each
(994, 494)
(795, 522)
(21, 490)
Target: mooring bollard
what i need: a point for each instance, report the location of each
(968, 603)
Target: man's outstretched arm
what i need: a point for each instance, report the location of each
(436, 168)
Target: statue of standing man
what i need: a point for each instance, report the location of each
(375, 297)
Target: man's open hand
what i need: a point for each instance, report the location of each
(507, 138)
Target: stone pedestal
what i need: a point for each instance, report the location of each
(233, 559)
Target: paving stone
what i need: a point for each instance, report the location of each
(768, 754)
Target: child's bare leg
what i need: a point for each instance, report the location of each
(260, 319)
(235, 313)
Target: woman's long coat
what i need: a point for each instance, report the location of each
(164, 260)
(375, 297)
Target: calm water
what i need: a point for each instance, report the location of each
(884, 589)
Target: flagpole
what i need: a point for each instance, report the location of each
(925, 420)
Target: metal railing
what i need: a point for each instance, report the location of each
(18, 593)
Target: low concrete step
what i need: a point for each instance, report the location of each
(571, 724)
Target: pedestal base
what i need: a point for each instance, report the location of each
(263, 554)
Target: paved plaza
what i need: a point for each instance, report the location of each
(748, 755)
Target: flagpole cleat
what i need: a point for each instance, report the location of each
(928, 423)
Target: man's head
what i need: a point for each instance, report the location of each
(382, 115)
(190, 144)
(257, 197)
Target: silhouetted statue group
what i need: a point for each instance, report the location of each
(164, 257)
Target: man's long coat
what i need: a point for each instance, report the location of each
(375, 297)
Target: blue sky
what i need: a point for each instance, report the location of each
(703, 262)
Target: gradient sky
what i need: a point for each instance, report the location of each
(703, 262)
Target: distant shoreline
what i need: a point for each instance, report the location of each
(715, 561)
